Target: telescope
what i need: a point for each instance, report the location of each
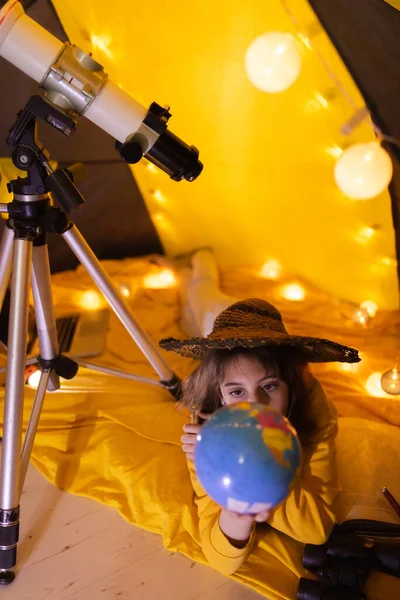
(74, 83)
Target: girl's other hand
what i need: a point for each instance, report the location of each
(189, 440)
(237, 527)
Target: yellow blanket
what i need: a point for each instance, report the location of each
(118, 442)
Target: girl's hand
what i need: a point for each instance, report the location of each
(190, 438)
(237, 527)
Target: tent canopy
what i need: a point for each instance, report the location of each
(267, 190)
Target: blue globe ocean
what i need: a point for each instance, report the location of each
(248, 457)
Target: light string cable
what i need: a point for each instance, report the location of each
(380, 135)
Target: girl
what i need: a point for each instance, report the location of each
(249, 356)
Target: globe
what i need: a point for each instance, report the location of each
(247, 457)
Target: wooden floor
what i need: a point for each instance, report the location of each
(72, 548)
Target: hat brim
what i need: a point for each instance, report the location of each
(315, 350)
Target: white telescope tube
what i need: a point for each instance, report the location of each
(33, 50)
(116, 112)
(24, 43)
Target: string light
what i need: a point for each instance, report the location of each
(349, 367)
(353, 184)
(365, 234)
(317, 102)
(318, 54)
(390, 381)
(370, 307)
(273, 62)
(152, 168)
(271, 269)
(374, 387)
(90, 300)
(125, 291)
(388, 262)
(34, 378)
(159, 196)
(293, 292)
(338, 83)
(304, 40)
(361, 316)
(363, 171)
(334, 151)
(160, 219)
(162, 280)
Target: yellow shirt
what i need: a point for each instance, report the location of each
(306, 515)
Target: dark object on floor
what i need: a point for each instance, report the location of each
(344, 563)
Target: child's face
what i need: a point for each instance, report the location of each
(246, 380)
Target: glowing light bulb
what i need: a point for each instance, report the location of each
(370, 307)
(390, 382)
(361, 316)
(363, 171)
(165, 279)
(321, 100)
(271, 269)
(159, 196)
(334, 151)
(374, 387)
(226, 481)
(90, 300)
(125, 291)
(316, 103)
(34, 378)
(160, 219)
(273, 62)
(304, 40)
(293, 291)
(387, 261)
(365, 234)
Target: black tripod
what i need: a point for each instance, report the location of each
(24, 258)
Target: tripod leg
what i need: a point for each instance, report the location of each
(44, 311)
(86, 256)
(33, 423)
(10, 490)
(6, 250)
(48, 342)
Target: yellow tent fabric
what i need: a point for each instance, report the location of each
(394, 3)
(7, 172)
(118, 442)
(267, 190)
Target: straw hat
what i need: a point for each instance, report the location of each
(252, 323)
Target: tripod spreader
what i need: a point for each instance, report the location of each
(64, 366)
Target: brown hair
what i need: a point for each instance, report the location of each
(201, 389)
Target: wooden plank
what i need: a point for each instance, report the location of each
(72, 548)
